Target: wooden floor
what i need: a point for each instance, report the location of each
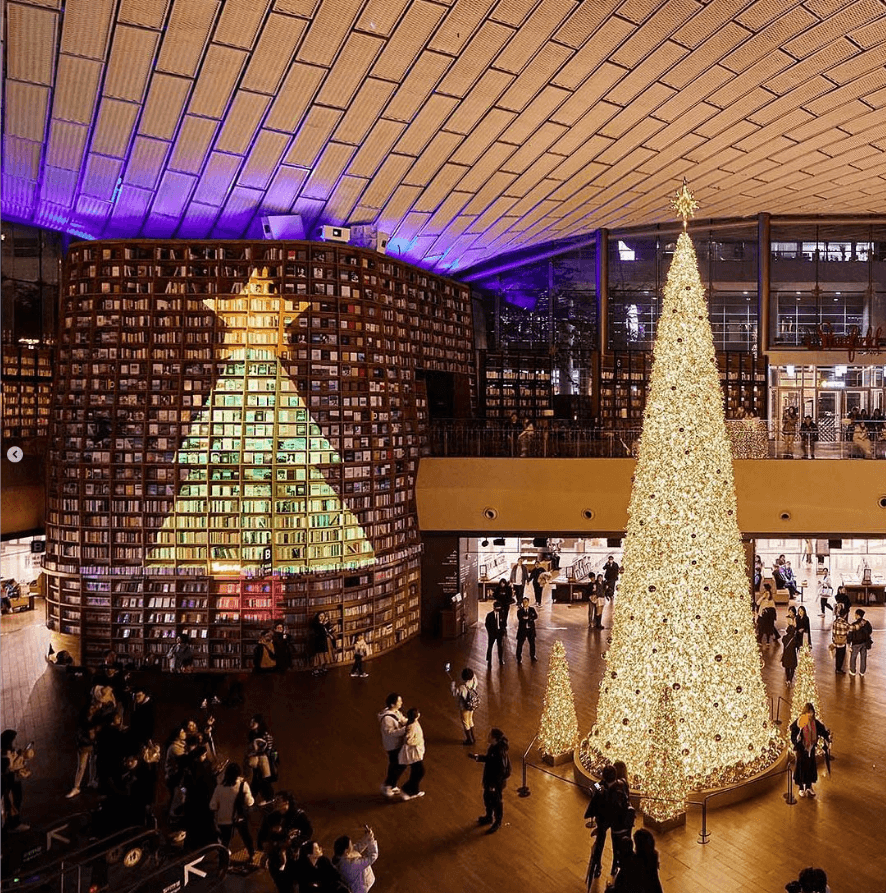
(332, 758)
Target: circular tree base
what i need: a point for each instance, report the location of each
(716, 798)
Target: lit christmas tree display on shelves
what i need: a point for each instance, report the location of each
(804, 690)
(683, 619)
(558, 733)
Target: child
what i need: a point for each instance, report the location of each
(361, 650)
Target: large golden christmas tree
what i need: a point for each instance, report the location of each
(682, 619)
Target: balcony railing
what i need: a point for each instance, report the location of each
(553, 438)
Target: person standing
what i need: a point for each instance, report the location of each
(807, 735)
(13, 769)
(610, 807)
(860, 634)
(230, 801)
(494, 635)
(789, 649)
(518, 578)
(361, 651)
(354, 861)
(468, 701)
(496, 770)
(526, 617)
(535, 576)
(825, 591)
(839, 637)
(503, 600)
(264, 656)
(281, 643)
(181, 654)
(808, 437)
(789, 430)
(804, 633)
(610, 576)
(412, 754)
(393, 730)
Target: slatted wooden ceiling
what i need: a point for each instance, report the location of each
(466, 128)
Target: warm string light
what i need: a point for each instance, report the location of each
(682, 619)
(558, 733)
(749, 438)
(665, 781)
(804, 690)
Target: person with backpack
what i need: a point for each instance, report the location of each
(860, 638)
(468, 702)
(611, 808)
(496, 771)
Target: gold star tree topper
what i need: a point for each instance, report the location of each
(684, 203)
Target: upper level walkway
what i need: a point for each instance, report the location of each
(556, 438)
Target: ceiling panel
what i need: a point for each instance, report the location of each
(375, 148)
(30, 46)
(192, 145)
(100, 176)
(185, 38)
(328, 30)
(130, 63)
(267, 150)
(146, 162)
(66, 144)
(21, 158)
(77, 89)
(241, 122)
(410, 37)
(371, 98)
(26, 110)
(150, 13)
(217, 178)
(283, 189)
(466, 127)
(239, 23)
(349, 69)
(295, 96)
(418, 84)
(86, 27)
(273, 55)
(114, 128)
(475, 58)
(164, 106)
(382, 16)
(219, 73)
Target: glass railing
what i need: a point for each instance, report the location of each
(549, 438)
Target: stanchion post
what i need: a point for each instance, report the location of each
(523, 790)
(789, 794)
(704, 837)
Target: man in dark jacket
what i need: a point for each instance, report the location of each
(494, 635)
(496, 769)
(526, 617)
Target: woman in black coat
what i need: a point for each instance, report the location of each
(496, 769)
(789, 651)
(804, 634)
(807, 735)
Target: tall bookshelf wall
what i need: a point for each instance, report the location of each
(27, 391)
(153, 531)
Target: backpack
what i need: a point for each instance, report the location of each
(472, 699)
(505, 764)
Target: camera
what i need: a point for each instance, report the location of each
(447, 666)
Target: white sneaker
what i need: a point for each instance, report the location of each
(801, 793)
(810, 792)
(389, 792)
(364, 675)
(74, 792)
(852, 672)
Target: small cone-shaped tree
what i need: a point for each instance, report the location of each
(683, 618)
(558, 733)
(804, 691)
(666, 780)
